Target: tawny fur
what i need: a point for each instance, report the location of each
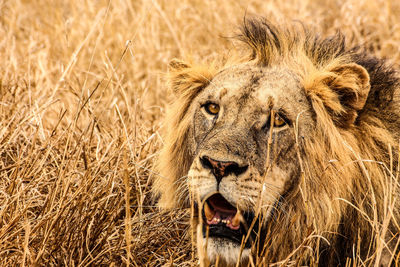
(348, 187)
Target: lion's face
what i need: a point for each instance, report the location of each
(245, 157)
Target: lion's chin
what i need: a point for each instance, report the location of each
(226, 251)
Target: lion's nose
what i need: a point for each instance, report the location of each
(220, 169)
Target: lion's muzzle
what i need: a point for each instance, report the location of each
(215, 184)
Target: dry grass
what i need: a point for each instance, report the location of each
(82, 98)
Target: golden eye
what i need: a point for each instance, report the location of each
(212, 108)
(278, 121)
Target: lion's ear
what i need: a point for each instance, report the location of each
(352, 87)
(184, 78)
(343, 90)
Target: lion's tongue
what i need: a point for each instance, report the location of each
(221, 211)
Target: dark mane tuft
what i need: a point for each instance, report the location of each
(270, 43)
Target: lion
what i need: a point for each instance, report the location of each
(288, 155)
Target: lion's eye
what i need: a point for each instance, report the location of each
(279, 121)
(212, 108)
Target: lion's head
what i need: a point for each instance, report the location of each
(271, 150)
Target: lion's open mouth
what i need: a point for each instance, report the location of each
(225, 221)
(217, 210)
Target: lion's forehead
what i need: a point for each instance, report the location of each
(280, 85)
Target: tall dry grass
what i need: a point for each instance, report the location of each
(82, 99)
